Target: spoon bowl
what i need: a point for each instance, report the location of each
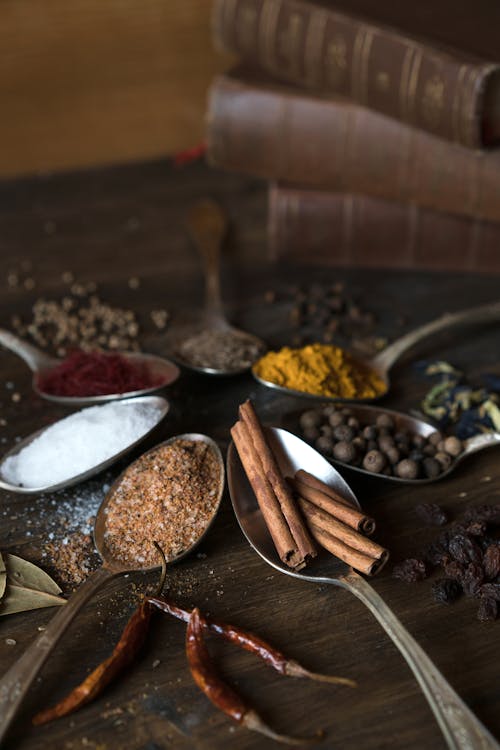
(212, 346)
(367, 415)
(157, 402)
(16, 681)
(459, 725)
(382, 363)
(163, 371)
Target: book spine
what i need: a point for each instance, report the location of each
(346, 229)
(325, 50)
(336, 145)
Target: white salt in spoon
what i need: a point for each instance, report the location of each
(17, 680)
(461, 729)
(40, 363)
(159, 404)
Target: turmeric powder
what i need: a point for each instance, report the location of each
(320, 369)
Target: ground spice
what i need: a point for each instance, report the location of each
(319, 369)
(96, 373)
(220, 350)
(169, 495)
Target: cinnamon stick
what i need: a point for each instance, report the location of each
(277, 481)
(340, 531)
(317, 492)
(268, 503)
(355, 559)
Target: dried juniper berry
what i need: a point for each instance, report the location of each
(410, 570)
(446, 590)
(488, 610)
(432, 514)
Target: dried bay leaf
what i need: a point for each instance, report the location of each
(25, 586)
(18, 599)
(3, 576)
(27, 575)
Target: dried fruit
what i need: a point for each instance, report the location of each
(432, 514)
(446, 590)
(472, 579)
(491, 561)
(488, 610)
(410, 570)
(464, 550)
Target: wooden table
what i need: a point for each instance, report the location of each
(110, 226)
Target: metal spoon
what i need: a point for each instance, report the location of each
(367, 415)
(17, 680)
(40, 363)
(207, 226)
(461, 729)
(382, 363)
(158, 402)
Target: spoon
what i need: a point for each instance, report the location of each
(17, 680)
(40, 363)
(159, 403)
(382, 363)
(367, 415)
(460, 727)
(213, 346)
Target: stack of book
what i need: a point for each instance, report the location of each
(374, 122)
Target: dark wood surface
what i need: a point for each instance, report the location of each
(112, 225)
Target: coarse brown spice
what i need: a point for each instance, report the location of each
(169, 495)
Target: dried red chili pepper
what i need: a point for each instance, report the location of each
(250, 642)
(217, 691)
(125, 651)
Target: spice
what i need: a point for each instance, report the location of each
(133, 637)
(377, 443)
(96, 374)
(77, 443)
(170, 495)
(221, 350)
(291, 538)
(221, 695)
(320, 369)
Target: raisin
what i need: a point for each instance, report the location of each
(472, 579)
(488, 610)
(476, 528)
(490, 591)
(488, 513)
(432, 514)
(446, 590)
(410, 570)
(453, 569)
(464, 550)
(438, 549)
(491, 561)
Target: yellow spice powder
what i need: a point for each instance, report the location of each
(320, 369)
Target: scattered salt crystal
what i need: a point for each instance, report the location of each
(79, 442)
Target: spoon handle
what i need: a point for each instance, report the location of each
(207, 226)
(483, 314)
(17, 680)
(461, 729)
(34, 357)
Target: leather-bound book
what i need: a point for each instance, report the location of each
(347, 229)
(432, 65)
(274, 131)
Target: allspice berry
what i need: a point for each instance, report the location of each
(384, 420)
(374, 461)
(453, 446)
(444, 459)
(407, 469)
(310, 418)
(431, 467)
(336, 419)
(343, 432)
(344, 451)
(324, 445)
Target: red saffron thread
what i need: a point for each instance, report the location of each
(96, 373)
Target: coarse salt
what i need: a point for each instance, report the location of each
(77, 443)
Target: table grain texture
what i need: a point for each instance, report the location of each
(115, 224)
